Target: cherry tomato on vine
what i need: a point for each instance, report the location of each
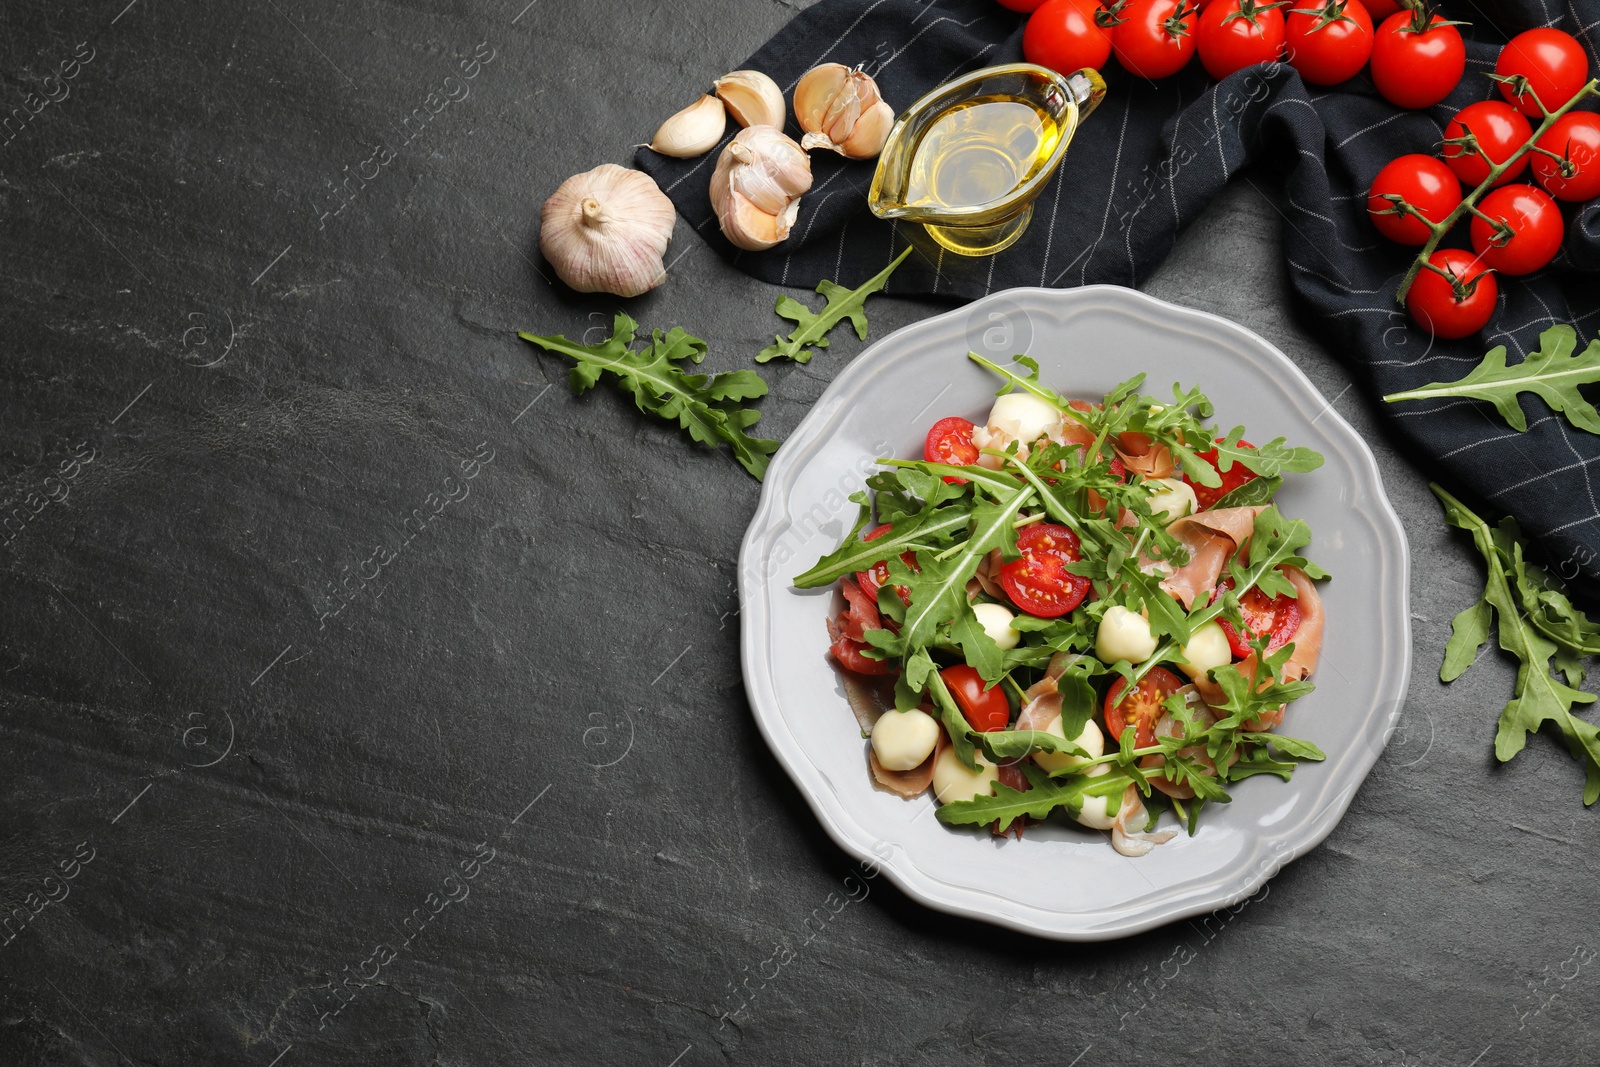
(1276, 616)
(1234, 34)
(950, 441)
(1572, 169)
(1423, 182)
(1329, 44)
(1140, 707)
(1498, 129)
(1417, 59)
(1535, 228)
(1549, 62)
(1233, 478)
(1064, 36)
(1152, 38)
(983, 706)
(1457, 302)
(877, 575)
(1039, 583)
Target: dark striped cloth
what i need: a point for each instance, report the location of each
(1147, 163)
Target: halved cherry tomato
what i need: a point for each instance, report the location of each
(1498, 130)
(877, 575)
(1457, 302)
(1039, 583)
(983, 706)
(1276, 616)
(1417, 59)
(1329, 44)
(1534, 222)
(1141, 707)
(1552, 65)
(950, 441)
(1236, 475)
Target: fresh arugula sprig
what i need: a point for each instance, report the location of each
(811, 329)
(707, 405)
(1539, 697)
(1553, 373)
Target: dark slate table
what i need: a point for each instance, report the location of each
(288, 779)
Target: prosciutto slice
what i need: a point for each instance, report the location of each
(1211, 538)
(1042, 708)
(1307, 649)
(907, 784)
(1134, 843)
(1143, 456)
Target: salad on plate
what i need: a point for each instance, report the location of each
(1086, 607)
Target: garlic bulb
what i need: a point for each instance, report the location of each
(694, 130)
(752, 98)
(840, 108)
(755, 190)
(605, 230)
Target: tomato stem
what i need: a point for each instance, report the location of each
(1469, 202)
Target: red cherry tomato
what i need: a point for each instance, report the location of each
(950, 441)
(984, 707)
(877, 575)
(1498, 129)
(1023, 6)
(1457, 303)
(1234, 34)
(1330, 44)
(1552, 67)
(1039, 583)
(1142, 706)
(1236, 475)
(1536, 229)
(1575, 139)
(1063, 36)
(1417, 63)
(1155, 38)
(1421, 181)
(1278, 617)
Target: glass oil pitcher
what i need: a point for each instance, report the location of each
(969, 158)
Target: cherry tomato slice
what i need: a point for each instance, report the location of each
(877, 575)
(984, 707)
(950, 441)
(1278, 616)
(1233, 478)
(1039, 583)
(1141, 707)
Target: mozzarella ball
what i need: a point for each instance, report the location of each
(903, 739)
(996, 622)
(952, 781)
(1124, 635)
(1024, 416)
(1206, 649)
(1090, 739)
(1095, 812)
(1172, 499)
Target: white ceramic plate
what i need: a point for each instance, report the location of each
(1060, 881)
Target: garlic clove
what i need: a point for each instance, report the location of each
(840, 109)
(606, 230)
(752, 98)
(693, 131)
(756, 186)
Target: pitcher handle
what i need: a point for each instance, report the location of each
(1088, 89)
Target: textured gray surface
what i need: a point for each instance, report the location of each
(565, 635)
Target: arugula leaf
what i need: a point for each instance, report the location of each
(1553, 373)
(1017, 744)
(1468, 632)
(1266, 460)
(1255, 491)
(705, 405)
(955, 723)
(939, 590)
(977, 647)
(1538, 696)
(929, 529)
(1007, 805)
(812, 327)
